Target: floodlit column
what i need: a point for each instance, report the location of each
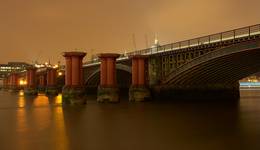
(13, 82)
(103, 72)
(9, 81)
(4, 83)
(41, 79)
(138, 90)
(75, 71)
(68, 71)
(73, 90)
(31, 82)
(107, 90)
(81, 76)
(51, 76)
(51, 88)
(141, 72)
(28, 77)
(111, 82)
(134, 71)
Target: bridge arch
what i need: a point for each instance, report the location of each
(123, 74)
(224, 66)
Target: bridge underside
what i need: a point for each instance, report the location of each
(223, 70)
(214, 77)
(123, 81)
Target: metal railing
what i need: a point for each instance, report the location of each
(213, 38)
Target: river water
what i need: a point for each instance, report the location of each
(43, 123)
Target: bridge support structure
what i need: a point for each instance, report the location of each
(42, 79)
(108, 90)
(138, 91)
(8, 85)
(5, 84)
(14, 82)
(73, 92)
(200, 92)
(51, 87)
(31, 88)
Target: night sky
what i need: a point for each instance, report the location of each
(40, 30)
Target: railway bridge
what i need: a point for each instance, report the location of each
(198, 67)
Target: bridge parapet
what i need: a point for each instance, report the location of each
(226, 37)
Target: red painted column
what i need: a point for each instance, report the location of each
(51, 76)
(7, 80)
(134, 71)
(103, 72)
(28, 77)
(141, 71)
(42, 80)
(81, 77)
(74, 70)
(4, 82)
(68, 71)
(54, 76)
(11, 79)
(138, 70)
(31, 77)
(108, 69)
(15, 80)
(111, 72)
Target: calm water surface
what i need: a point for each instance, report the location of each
(43, 123)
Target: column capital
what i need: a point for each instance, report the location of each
(108, 55)
(50, 68)
(138, 56)
(31, 68)
(74, 53)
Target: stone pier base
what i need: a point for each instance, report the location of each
(198, 92)
(14, 89)
(74, 95)
(30, 91)
(41, 89)
(139, 94)
(51, 91)
(108, 94)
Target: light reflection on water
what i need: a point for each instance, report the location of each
(41, 100)
(41, 122)
(38, 101)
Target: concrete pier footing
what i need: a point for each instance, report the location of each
(51, 91)
(14, 88)
(30, 91)
(108, 94)
(73, 95)
(41, 89)
(139, 94)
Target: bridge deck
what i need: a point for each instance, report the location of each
(223, 38)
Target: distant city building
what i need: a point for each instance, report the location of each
(6, 69)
